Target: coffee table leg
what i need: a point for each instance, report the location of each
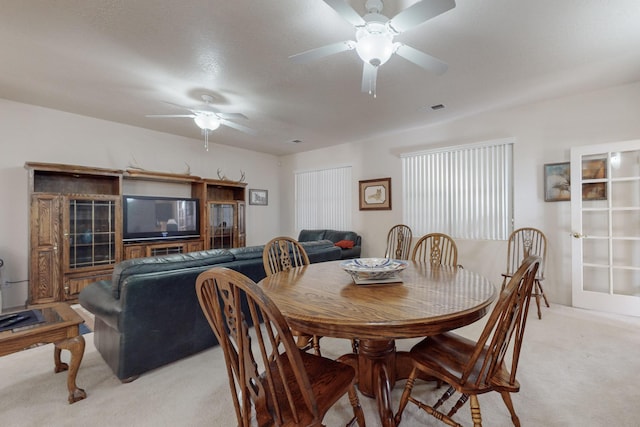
(75, 346)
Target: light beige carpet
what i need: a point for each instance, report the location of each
(578, 368)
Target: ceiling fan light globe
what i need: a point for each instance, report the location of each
(207, 122)
(375, 49)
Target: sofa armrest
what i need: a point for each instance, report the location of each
(351, 253)
(98, 299)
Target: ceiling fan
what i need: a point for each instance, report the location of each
(209, 119)
(374, 37)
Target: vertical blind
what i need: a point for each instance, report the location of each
(465, 192)
(323, 199)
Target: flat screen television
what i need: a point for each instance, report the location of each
(160, 218)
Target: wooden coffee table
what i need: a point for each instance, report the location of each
(60, 327)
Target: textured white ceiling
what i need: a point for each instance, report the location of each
(120, 60)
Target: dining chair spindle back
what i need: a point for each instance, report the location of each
(399, 242)
(283, 253)
(436, 248)
(522, 243)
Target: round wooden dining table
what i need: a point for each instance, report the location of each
(322, 299)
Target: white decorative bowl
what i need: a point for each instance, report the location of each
(373, 268)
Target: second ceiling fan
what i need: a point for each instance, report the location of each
(208, 119)
(374, 37)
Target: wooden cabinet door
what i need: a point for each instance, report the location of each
(195, 246)
(44, 274)
(73, 285)
(135, 251)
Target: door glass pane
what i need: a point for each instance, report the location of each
(91, 233)
(626, 253)
(595, 279)
(625, 164)
(625, 223)
(625, 194)
(595, 251)
(595, 223)
(626, 282)
(221, 225)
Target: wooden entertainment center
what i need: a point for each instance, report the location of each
(76, 223)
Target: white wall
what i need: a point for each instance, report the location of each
(34, 134)
(544, 133)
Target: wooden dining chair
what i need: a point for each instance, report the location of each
(473, 368)
(283, 253)
(436, 248)
(399, 242)
(522, 243)
(273, 382)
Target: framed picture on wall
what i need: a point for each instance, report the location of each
(258, 197)
(557, 182)
(375, 194)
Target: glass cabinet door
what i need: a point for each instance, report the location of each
(91, 233)
(222, 225)
(242, 233)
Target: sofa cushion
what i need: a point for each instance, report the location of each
(336, 236)
(316, 245)
(249, 252)
(345, 244)
(310, 235)
(130, 267)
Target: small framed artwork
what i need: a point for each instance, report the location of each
(259, 197)
(375, 194)
(557, 181)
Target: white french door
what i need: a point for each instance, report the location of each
(605, 221)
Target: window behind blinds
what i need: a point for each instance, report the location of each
(465, 192)
(323, 199)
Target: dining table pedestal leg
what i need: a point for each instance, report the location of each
(375, 364)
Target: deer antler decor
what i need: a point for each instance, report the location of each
(223, 177)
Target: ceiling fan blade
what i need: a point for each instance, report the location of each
(369, 77)
(236, 126)
(231, 116)
(347, 13)
(182, 107)
(421, 59)
(171, 115)
(419, 12)
(321, 52)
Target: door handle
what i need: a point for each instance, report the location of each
(577, 235)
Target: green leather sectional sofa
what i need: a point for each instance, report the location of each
(148, 314)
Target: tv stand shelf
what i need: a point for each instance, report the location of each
(146, 249)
